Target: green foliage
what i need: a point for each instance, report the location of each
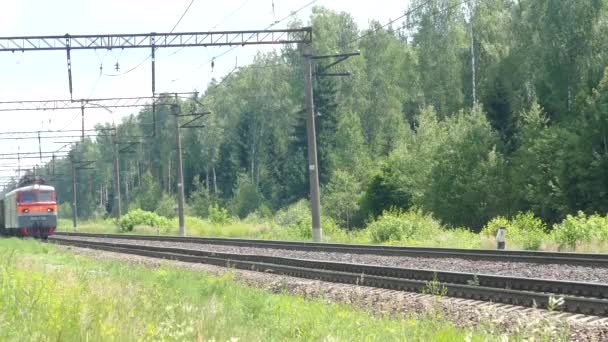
(64, 211)
(200, 200)
(246, 198)
(149, 194)
(295, 222)
(139, 217)
(524, 229)
(167, 206)
(465, 181)
(100, 300)
(218, 215)
(293, 215)
(580, 229)
(341, 198)
(395, 225)
(384, 192)
(405, 127)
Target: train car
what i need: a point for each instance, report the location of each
(29, 210)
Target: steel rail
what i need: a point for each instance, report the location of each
(434, 252)
(583, 298)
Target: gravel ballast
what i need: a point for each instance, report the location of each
(593, 274)
(494, 318)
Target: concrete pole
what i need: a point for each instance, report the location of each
(117, 203)
(74, 198)
(313, 172)
(180, 171)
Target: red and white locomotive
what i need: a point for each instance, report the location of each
(29, 210)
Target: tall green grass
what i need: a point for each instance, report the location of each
(414, 228)
(48, 295)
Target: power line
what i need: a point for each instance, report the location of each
(214, 58)
(406, 14)
(230, 15)
(216, 25)
(182, 17)
(150, 55)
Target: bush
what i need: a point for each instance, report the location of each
(581, 228)
(396, 225)
(218, 215)
(260, 215)
(247, 197)
(295, 222)
(166, 206)
(524, 229)
(384, 191)
(141, 217)
(148, 194)
(293, 215)
(64, 211)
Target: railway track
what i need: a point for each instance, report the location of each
(598, 259)
(579, 297)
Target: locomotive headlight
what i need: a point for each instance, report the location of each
(26, 211)
(50, 210)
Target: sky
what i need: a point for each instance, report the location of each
(42, 75)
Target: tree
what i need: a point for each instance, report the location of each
(246, 198)
(537, 164)
(149, 194)
(383, 192)
(466, 183)
(341, 197)
(440, 40)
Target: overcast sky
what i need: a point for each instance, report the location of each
(43, 74)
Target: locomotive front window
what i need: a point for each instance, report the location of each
(36, 196)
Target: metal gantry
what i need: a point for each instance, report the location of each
(69, 104)
(153, 41)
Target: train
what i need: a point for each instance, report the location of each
(29, 210)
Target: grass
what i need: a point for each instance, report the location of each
(268, 229)
(50, 295)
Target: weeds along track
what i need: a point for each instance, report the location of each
(475, 254)
(578, 297)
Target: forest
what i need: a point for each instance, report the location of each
(463, 110)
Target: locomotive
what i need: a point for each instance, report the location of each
(29, 210)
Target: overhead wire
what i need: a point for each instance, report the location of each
(405, 15)
(216, 57)
(370, 32)
(182, 17)
(150, 55)
(218, 24)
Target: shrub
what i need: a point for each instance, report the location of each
(148, 194)
(64, 211)
(141, 217)
(293, 215)
(395, 225)
(341, 198)
(524, 229)
(295, 222)
(218, 215)
(201, 199)
(260, 215)
(581, 228)
(166, 206)
(247, 198)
